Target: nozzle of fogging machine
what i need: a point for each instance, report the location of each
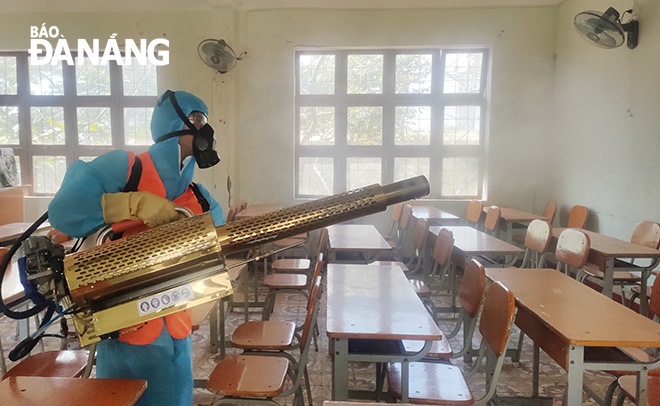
(406, 189)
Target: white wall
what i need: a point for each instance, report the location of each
(252, 107)
(604, 149)
(522, 41)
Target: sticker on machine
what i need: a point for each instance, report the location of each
(163, 300)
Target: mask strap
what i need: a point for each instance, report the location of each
(171, 95)
(174, 134)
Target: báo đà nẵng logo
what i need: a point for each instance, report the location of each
(42, 52)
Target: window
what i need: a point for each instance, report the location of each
(383, 115)
(53, 115)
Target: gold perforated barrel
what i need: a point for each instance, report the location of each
(189, 249)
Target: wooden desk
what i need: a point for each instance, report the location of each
(509, 216)
(373, 302)
(605, 251)
(563, 317)
(9, 233)
(38, 391)
(254, 210)
(470, 243)
(362, 239)
(435, 216)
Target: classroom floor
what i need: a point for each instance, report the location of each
(515, 379)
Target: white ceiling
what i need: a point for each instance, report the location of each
(40, 6)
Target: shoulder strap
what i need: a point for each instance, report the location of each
(200, 197)
(134, 178)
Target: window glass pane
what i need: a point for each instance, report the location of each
(405, 168)
(47, 125)
(462, 72)
(18, 169)
(48, 172)
(412, 125)
(462, 125)
(92, 80)
(365, 126)
(9, 125)
(460, 176)
(140, 80)
(317, 74)
(46, 80)
(317, 126)
(94, 126)
(8, 84)
(413, 74)
(315, 176)
(362, 171)
(365, 74)
(137, 125)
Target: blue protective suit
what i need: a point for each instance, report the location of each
(76, 210)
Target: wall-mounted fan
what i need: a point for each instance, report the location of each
(605, 30)
(218, 55)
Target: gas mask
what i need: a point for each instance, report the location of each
(203, 134)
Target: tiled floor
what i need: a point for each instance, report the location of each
(515, 379)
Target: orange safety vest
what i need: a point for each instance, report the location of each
(179, 324)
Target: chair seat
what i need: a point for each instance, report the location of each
(628, 384)
(273, 335)
(619, 276)
(291, 265)
(439, 349)
(638, 290)
(52, 364)
(249, 376)
(285, 281)
(420, 288)
(432, 384)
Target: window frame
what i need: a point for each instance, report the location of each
(70, 101)
(436, 151)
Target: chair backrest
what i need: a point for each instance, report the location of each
(646, 233)
(231, 213)
(537, 237)
(305, 337)
(474, 210)
(242, 206)
(572, 248)
(492, 219)
(497, 317)
(322, 245)
(472, 287)
(420, 233)
(444, 245)
(396, 212)
(550, 210)
(406, 214)
(577, 218)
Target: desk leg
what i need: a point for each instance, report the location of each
(340, 370)
(608, 279)
(246, 295)
(535, 370)
(575, 375)
(642, 384)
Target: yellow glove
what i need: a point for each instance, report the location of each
(151, 209)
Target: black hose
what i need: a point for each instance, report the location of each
(5, 264)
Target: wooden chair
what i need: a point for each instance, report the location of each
(294, 247)
(537, 239)
(577, 218)
(646, 233)
(572, 251)
(550, 210)
(473, 214)
(301, 265)
(492, 220)
(443, 271)
(470, 295)
(445, 384)
(255, 378)
(628, 386)
(395, 226)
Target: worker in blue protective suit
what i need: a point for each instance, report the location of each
(120, 186)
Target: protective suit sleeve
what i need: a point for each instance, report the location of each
(151, 209)
(215, 209)
(76, 209)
